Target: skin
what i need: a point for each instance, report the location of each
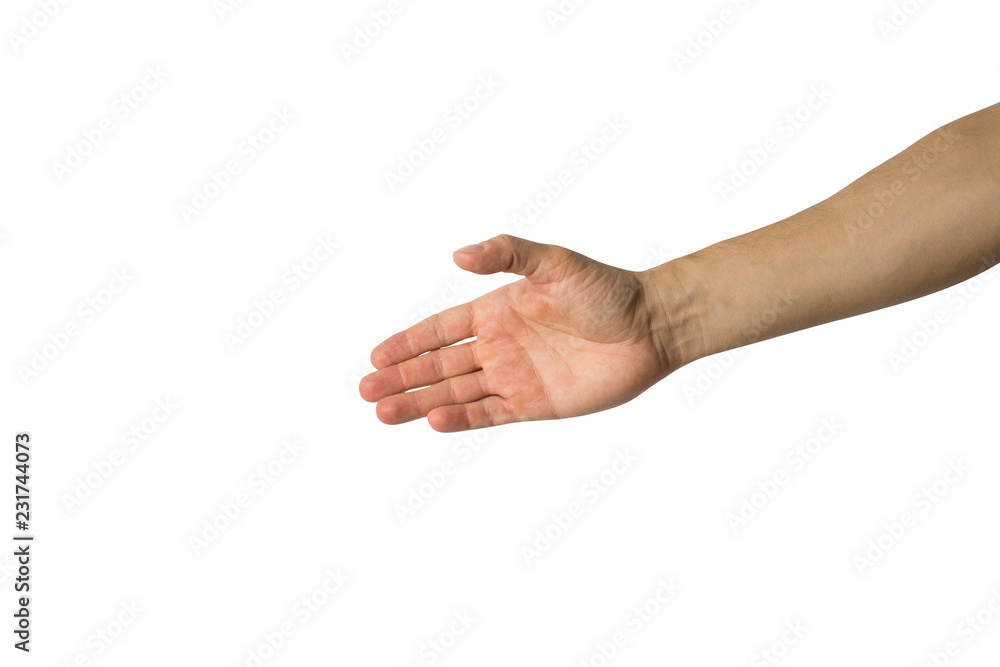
(575, 336)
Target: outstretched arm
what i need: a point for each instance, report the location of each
(926, 219)
(576, 336)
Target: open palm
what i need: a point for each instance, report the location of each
(573, 337)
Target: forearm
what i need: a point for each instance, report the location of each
(924, 220)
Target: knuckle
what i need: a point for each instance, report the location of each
(438, 329)
(437, 365)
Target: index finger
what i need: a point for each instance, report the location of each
(446, 328)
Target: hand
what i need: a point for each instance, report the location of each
(573, 337)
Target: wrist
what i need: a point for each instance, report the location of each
(677, 308)
(718, 299)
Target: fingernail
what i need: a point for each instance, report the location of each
(472, 248)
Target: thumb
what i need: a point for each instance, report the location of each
(538, 262)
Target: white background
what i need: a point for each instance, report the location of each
(704, 438)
